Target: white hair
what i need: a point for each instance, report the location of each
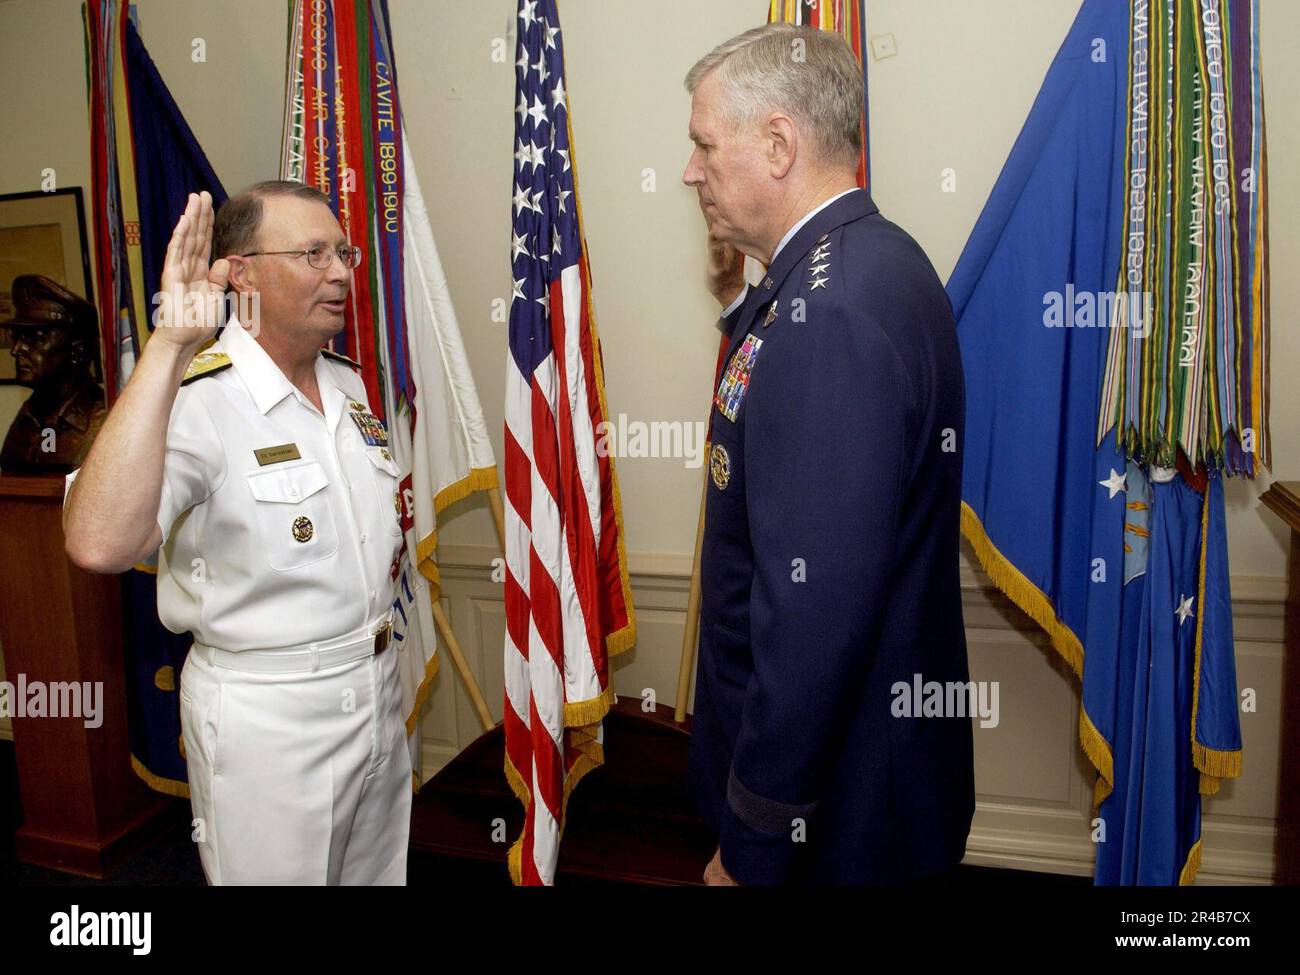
(809, 74)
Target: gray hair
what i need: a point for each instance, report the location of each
(809, 74)
(235, 228)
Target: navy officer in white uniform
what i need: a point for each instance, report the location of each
(260, 475)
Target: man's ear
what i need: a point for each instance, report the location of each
(241, 274)
(782, 141)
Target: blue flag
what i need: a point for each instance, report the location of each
(169, 165)
(1077, 535)
(169, 162)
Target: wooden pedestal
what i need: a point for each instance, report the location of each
(84, 809)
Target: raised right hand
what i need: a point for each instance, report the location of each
(190, 306)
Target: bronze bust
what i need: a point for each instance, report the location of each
(55, 343)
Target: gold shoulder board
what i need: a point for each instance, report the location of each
(205, 364)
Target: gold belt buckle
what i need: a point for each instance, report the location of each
(381, 638)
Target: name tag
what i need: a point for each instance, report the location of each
(277, 455)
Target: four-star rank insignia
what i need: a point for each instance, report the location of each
(735, 381)
(371, 427)
(720, 466)
(820, 264)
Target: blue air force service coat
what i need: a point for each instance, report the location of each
(830, 567)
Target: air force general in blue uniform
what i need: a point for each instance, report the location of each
(830, 566)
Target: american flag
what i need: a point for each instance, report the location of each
(568, 605)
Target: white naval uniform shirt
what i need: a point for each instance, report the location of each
(232, 569)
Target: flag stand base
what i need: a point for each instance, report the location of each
(631, 821)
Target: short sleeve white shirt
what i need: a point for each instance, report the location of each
(280, 524)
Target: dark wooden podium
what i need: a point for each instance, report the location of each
(84, 809)
(1283, 497)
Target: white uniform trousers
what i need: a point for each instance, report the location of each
(298, 778)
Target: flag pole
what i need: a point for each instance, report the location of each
(462, 668)
(498, 515)
(689, 638)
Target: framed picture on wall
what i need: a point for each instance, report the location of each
(41, 233)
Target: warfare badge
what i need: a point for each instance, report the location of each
(302, 529)
(720, 466)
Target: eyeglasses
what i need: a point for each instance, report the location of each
(320, 257)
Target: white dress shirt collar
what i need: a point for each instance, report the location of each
(265, 381)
